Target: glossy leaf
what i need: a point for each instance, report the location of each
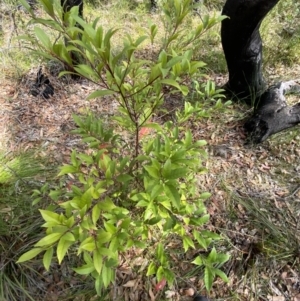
(62, 247)
(48, 240)
(30, 254)
(47, 258)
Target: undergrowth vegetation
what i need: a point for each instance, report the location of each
(138, 190)
(134, 188)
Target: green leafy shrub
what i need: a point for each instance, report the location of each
(135, 187)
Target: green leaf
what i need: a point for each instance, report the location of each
(187, 243)
(48, 7)
(112, 262)
(151, 269)
(212, 257)
(107, 275)
(98, 261)
(55, 195)
(156, 191)
(177, 173)
(106, 205)
(153, 221)
(160, 251)
(123, 178)
(160, 273)
(204, 219)
(48, 258)
(222, 258)
(103, 236)
(205, 195)
(86, 158)
(26, 5)
(173, 194)
(87, 245)
(169, 224)
(50, 216)
(188, 139)
(85, 269)
(100, 93)
(198, 261)
(63, 246)
(169, 276)
(86, 71)
(88, 29)
(42, 36)
(96, 213)
(167, 169)
(67, 169)
(221, 274)
(30, 254)
(152, 171)
(155, 73)
(208, 278)
(153, 125)
(171, 82)
(201, 143)
(203, 242)
(48, 240)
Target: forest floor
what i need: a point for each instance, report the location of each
(255, 202)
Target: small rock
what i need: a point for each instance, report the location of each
(200, 298)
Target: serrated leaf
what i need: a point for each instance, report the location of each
(212, 256)
(208, 278)
(156, 191)
(169, 224)
(152, 171)
(177, 173)
(187, 243)
(30, 254)
(221, 274)
(222, 258)
(203, 242)
(173, 194)
(198, 261)
(167, 168)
